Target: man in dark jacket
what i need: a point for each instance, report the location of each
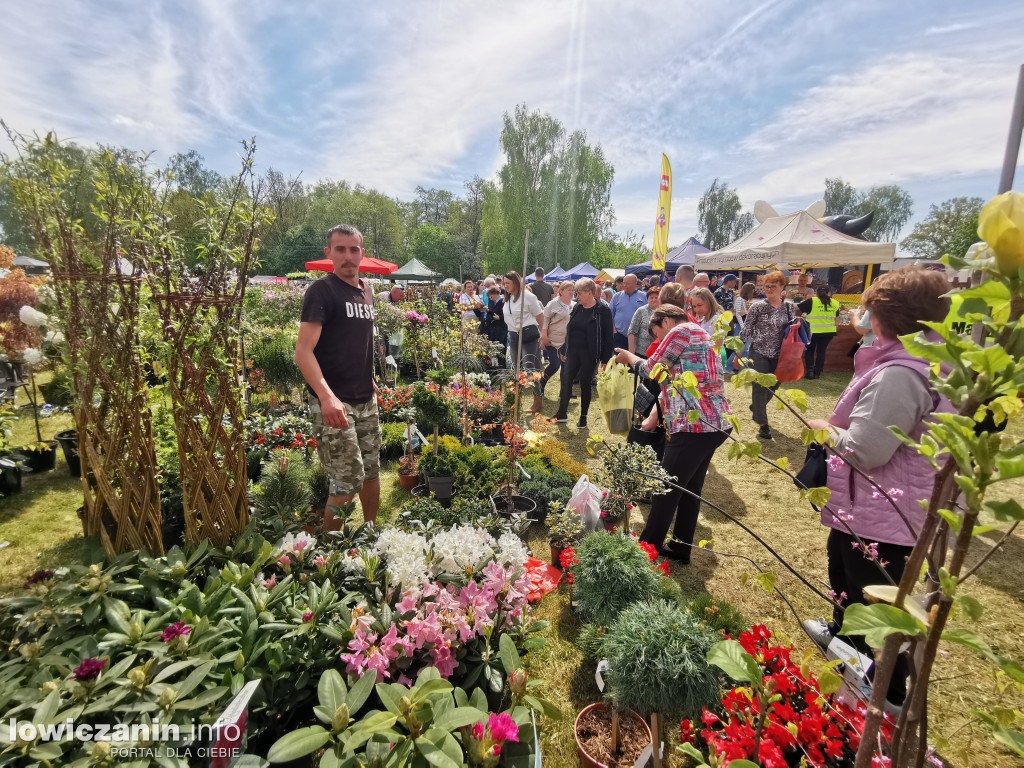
(588, 345)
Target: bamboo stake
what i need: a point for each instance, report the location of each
(615, 730)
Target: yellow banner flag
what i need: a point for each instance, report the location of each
(661, 223)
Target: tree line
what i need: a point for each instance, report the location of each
(553, 182)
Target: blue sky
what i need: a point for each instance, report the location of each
(772, 96)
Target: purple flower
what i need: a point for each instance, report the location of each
(177, 629)
(88, 670)
(37, 578)
(835, 463)
(307, 616)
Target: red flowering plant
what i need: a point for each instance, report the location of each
(781, 718)
(394, 404)
(279, 428)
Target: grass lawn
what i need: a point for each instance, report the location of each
(44, 529)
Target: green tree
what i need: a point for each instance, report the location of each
(15, 231)
(719, 220)
(556, 186)
(840, 197)
(187, 172)
(951, 227)
(464, 219)
(435, 248)
(432, 206)
(618, 254)
(893, 207)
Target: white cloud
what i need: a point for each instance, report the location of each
(908, 117)
(147, 76)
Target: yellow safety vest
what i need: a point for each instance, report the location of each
(822, 319)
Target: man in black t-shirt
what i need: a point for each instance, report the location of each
(335, 354)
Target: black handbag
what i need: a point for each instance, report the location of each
(814, 472)
(656, 438)
(530, 334)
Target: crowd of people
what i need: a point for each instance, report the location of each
(667, 333)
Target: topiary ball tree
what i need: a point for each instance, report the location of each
(612, 574)
(657, 661)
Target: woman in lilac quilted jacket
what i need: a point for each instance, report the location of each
(889, 388)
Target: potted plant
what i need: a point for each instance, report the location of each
(565, 530)
(657, 663)
(631, 472)
(604, 738)
(10, 466)
(40, 456)
(612, 574)
(408, 469)
(439, 468)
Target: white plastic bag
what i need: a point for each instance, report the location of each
(586, 502)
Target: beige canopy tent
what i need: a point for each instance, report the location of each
(796, 241)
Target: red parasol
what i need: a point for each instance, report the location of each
(371, 266)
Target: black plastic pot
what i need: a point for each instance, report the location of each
(422, 491)
(44, 460)
(68, 441)
(522, 504)
(442, 487)
(10, 480)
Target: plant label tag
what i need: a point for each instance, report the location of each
(391, 361)
(602, 666)
(434, 353)
(494, 362)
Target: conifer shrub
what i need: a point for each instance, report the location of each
(612, 574)
(657, 661)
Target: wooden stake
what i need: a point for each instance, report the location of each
(519, 336)
(615, 730)
(656, 739)
(436, 435)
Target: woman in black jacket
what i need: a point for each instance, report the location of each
(493, 324)
(588, 344)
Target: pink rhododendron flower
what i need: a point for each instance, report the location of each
(175, 630)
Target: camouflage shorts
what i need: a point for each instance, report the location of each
(350, 456)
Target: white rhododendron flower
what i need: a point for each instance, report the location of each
(32, 356)
(31, 316)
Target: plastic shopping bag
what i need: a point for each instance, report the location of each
(615, 393)
(586, 503)
(791, 356)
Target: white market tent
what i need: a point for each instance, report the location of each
(796, 241)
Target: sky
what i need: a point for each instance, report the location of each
(770, 96)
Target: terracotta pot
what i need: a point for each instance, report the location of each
(586, 760)
(408, 482)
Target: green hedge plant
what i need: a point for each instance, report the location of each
(612, 574)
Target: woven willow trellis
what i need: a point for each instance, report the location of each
(201, 317)
(203, 371)
(98, 301)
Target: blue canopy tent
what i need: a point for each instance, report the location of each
(581, 270)
(685, 254)
(555, 274)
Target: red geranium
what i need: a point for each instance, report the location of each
(801, 721)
